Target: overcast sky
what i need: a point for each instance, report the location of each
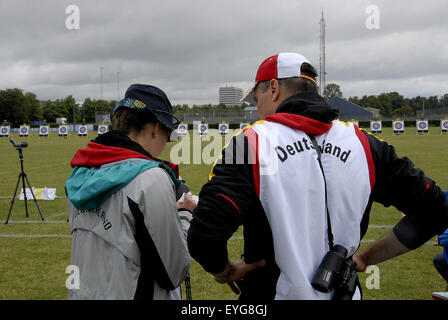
(189, 48)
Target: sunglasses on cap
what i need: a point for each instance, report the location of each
(173, 136)
(176, 121)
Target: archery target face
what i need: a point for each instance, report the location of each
(23, 130)
(422, 125)
(182, 128)
(398, 126)
(445, 124)
(223, 128)
(83, 130)
(376, 126)
(43, 130)
(102, 129)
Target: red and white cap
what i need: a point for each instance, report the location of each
(279, 66)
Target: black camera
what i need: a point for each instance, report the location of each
(338, 273)
(18, 145)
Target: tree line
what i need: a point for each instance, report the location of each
(18, 107)
(391, 103)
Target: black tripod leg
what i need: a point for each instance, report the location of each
(13, 198)
(24, 194)
(32, 193)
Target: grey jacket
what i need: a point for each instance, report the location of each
(133, 246)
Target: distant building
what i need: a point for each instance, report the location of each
(230, 96)
(375, 112)
(348, 110)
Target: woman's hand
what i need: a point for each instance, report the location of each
(187, 203)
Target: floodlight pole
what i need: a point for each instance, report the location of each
(322, 71)
(101, 80)
(118, 85)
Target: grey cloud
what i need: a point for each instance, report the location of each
(190, 48)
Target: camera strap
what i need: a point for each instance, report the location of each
(319, 153)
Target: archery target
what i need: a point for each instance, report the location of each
(203, 128)
(398, 125)
(223, 128)
(43, 130)
(62, 131)
(375, 126)
(444, 125)
(82, 131)
(24, 131)
(102, 129)
(422, 125)
(4, 131)
(243, 125)
(182, 129)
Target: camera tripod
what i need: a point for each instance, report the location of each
(23, 177)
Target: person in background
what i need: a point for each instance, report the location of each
(440, 261)
(128, 231)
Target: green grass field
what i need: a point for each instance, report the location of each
(34, 255)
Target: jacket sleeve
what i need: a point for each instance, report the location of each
(160, 230)
(400, 184)
(443, 239)
(225, 202)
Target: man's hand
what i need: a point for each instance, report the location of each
(236, 270)
(381, 250)
(360, 263)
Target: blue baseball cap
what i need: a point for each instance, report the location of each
(151, 100)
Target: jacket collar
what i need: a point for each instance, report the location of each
(111, 147)
(307, 112)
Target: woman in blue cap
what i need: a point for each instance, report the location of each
(128, 230)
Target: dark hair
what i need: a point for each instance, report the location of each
(296, 85)
(126, 120)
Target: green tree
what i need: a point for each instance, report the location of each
(385, 104)
(71, 109)
(13, 106)
(33, 109)
(432, 102)
(444, 101)
(332, 90)
(354, 100)
(53, 110)
(405, 110)
(396, 100)
(88, 110)
(369, 102)
(417, 103)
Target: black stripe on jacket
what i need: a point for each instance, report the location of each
(151, 265)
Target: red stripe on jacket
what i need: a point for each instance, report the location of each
(365, 144)
(252, 138)
(231, 201)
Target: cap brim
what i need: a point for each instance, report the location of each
(249, 96)
(165, 119)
